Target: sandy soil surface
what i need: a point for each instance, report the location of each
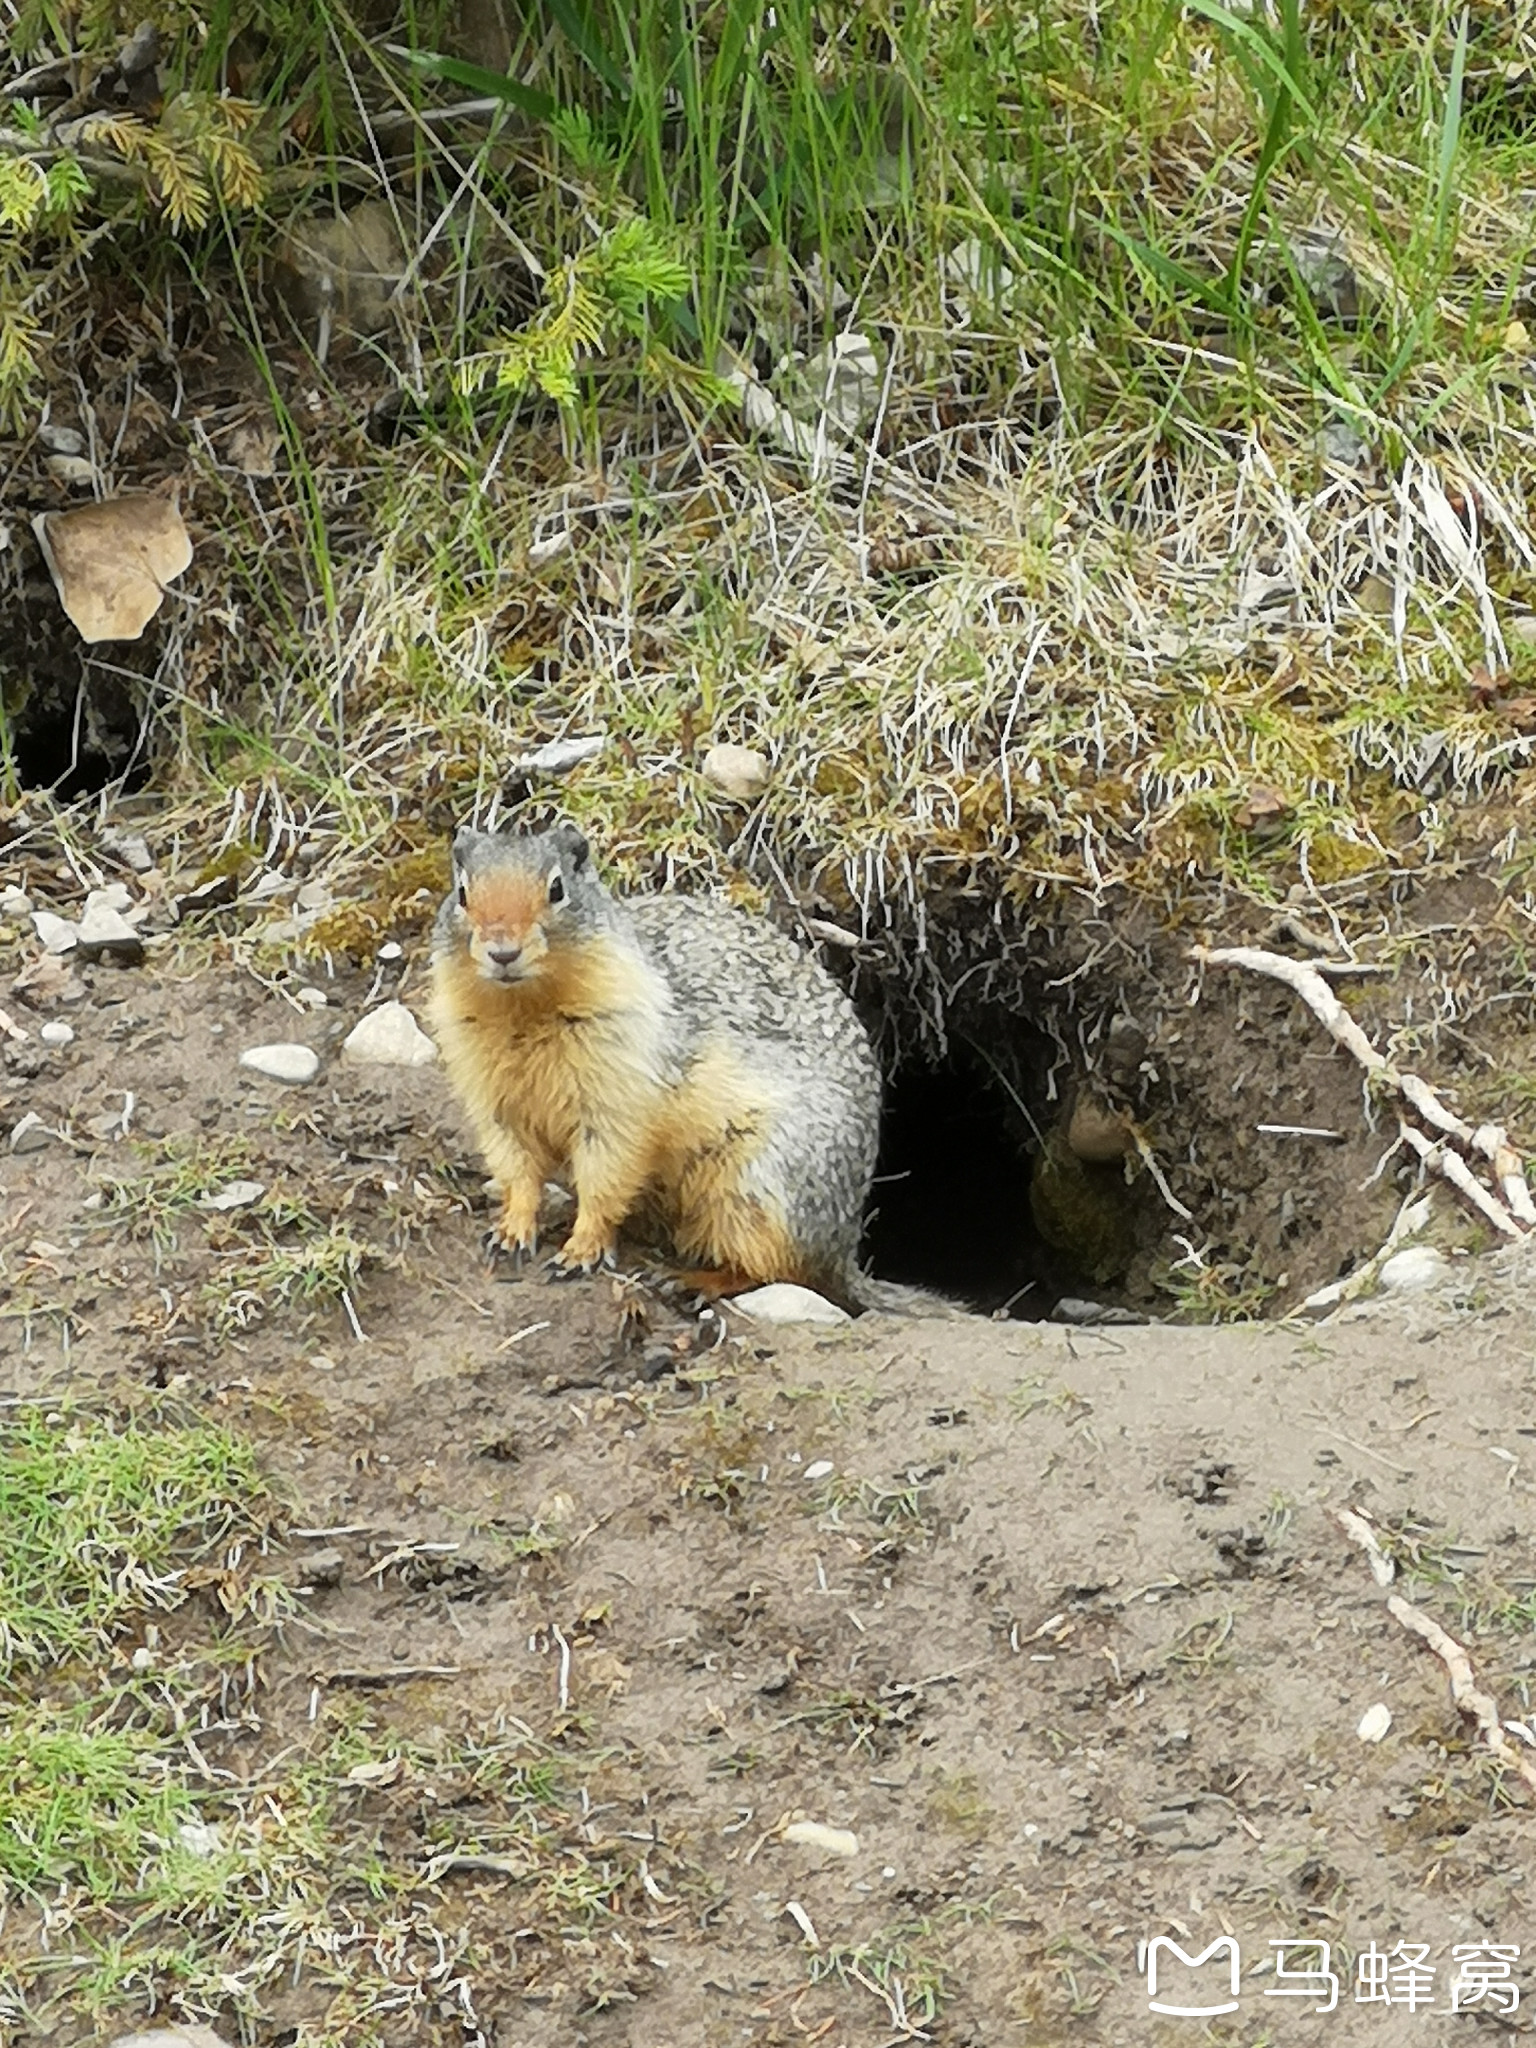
(1059, 1626)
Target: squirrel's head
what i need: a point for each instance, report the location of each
(513, 896)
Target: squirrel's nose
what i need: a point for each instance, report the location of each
(504, 954)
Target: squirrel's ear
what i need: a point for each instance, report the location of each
(575, 845)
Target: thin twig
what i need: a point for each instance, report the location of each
(1467, 1695)
(1515, 1213)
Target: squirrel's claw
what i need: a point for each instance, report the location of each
(564, 1267)
(516, 1251)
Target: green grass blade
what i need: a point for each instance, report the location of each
(475, 78)
(576, 26)
(1261, 50)
(1288, 101)
(1450, 133)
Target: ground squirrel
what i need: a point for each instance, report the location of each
(663, 1055)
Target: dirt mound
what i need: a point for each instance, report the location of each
(1059, 1627)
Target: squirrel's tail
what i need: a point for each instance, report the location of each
(894, 1298)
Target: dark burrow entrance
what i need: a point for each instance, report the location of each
(960, 1192)
(71, 718)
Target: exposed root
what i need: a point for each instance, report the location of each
(1511, 1212)
(1410, 1220)
(1466, 1693)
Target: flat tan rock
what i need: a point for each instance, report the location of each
(110, 562)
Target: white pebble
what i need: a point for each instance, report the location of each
(737, 772)
(58, 934)
(239, 1194)
(389, 1037)
(104, 933)
(815, 1834)
(822, 1469)
(188, 2035)
(282, 1062)
(55, 1033)
(1374, 1723)
(784, 1302)
(1413, 1270)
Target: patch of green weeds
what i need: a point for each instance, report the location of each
(898, 1967)
(82, 1804)
(1203, 1644)
(162, 1880)
(276, 1252)
(318, 1271)
(871, 1722)
(179, 1175)
(1208, 1289)
(100, 1523)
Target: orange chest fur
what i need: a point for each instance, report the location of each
(574, 1046)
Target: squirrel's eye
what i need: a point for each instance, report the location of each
(463, 894)
(557, 887)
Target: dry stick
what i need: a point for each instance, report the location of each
(1488, 1139)
(1465, 1690)
(1467, 1695)
(1442, 1160)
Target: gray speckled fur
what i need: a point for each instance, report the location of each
(734, 977)
(738, 978)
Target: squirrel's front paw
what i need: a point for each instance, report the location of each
(577, 1256)
(513, 1235)
(517, 1251)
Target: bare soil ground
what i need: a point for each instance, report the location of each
(1059, 1625)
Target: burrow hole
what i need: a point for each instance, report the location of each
(952, 1208)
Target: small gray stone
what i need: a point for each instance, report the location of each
(58, 934)
(31, 1134)
(282, 1062)
(784, 1302)
(171, 2037)
(1414, 1270)
(239, 1194)
(215, 894)
(1323, 265)
(1071, 1309)
(15, 902)
(61, 440)
(324, 1567)
(389, 1037)
(557, 757)
(1338, 443)
(270, 887)
(105, 934)
(131, 848)
(54, 1033)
